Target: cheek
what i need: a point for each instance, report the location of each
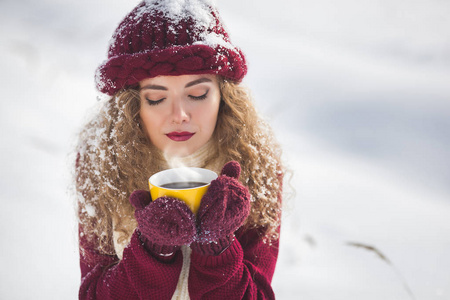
(149, 120)
(209, 116)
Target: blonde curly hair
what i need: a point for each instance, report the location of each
(115, 157)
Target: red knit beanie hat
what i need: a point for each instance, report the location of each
(169, 37)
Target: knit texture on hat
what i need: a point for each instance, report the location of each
(169, 37)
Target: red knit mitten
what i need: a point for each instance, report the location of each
(223, 209)
(164, 224)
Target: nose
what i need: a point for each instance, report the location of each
(180, 112)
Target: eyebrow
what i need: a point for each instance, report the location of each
(153, 87)
(197, 81)
(163, 88)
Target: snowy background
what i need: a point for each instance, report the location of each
(358, 92)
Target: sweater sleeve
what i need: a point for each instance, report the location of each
(243, 271)
(138, 275)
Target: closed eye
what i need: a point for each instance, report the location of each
(154, 102)
(201, 97)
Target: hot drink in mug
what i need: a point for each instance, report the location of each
(186, 183)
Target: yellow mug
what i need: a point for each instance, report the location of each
(186, 183)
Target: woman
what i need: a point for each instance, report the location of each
(173, 77)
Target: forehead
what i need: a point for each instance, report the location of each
(182, 80)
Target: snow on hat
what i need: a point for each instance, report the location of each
(169, 37)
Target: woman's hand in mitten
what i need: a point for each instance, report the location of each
(164, 224)
(223, 209)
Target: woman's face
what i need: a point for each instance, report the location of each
(179, 113)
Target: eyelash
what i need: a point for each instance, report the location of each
(202, 97)
(154, 102)
(195, 98)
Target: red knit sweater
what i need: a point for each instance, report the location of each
(243, 271)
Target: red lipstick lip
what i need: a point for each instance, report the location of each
(180, 136)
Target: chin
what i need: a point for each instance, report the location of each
(179, 151)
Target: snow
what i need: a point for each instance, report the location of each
(357, 93)
(177, 10)
(182, 9)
